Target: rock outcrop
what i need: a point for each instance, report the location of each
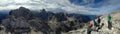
(21, 12)
(23, 20)
(104, 30)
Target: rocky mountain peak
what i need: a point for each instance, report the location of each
(21, 12)
(43, 11)
(22, 7)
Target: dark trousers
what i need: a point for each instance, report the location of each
(109, 25)
(89, 30)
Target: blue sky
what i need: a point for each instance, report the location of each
(95, 7)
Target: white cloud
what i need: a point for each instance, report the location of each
(61, 4)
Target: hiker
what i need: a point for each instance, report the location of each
(99, 20)
(89, 29)
(99, 24)
(95, 25)
(109, 22)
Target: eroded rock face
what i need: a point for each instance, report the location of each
(43, 21)
(104, 30)
(21, 12)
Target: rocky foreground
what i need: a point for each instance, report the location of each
(115, 26)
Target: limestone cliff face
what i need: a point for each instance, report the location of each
(25, 20)
(115, 20)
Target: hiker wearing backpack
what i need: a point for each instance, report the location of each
(109, 22)
(98, 20)
(95, 25)
(98, 24)
(89, 29)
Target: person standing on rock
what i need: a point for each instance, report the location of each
(89, 29)
(95, 25)
(99, 20)
(109, 22)
(98, 25)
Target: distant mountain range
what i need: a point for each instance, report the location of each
(44, 21)
(2, 16)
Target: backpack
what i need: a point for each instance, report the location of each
(95, 23)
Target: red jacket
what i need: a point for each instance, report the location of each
(91, 24)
